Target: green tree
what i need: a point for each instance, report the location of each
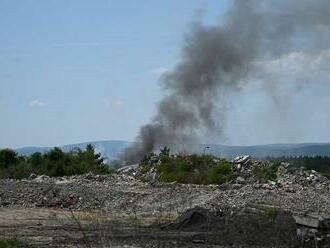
(36, 161)
(165, 151)
(55, 162)
(8, 158)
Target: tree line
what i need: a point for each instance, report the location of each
(52, 163)
(317, 163)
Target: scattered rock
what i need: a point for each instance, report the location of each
(41, 178)
(240, 180)
(294, 190)
(32, 176)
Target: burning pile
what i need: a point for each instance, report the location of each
(205, 169)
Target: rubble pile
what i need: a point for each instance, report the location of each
(243, 167)
(304, 193)
(147, 170)
(294, 189)
(307, 178)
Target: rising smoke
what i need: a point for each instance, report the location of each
(221, 59)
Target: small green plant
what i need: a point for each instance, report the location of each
(266, 173)
(10, 243)
(221, 173)
(270, 213)
(326, 174)
(176, 169)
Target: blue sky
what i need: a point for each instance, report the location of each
(82, 70)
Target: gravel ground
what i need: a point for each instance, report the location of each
(122, 193)
(128, 206)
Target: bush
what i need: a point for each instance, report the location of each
(194, 169)
(175, 170)
(9, 243)
(8, 157)
(221, 173)
(270, 213)
(326, 174)
(266, 173)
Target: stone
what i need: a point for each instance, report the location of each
(240, 180)
(32, 176)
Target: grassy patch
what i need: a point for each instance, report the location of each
(270, 213)
(326, 174)
(10, 243)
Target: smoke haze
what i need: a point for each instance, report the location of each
(245, 78)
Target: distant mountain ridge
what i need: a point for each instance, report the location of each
(272, 150)
(112, 148)
(109, 149)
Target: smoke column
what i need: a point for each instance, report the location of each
(227, 58)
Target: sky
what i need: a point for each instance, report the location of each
(78, 70)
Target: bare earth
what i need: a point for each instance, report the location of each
(118, 210)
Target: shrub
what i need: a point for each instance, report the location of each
(194, 169)
(221, 173)
(326, 174)
(266, 173)
(9, 243)
(270, 213)
(175, 169)
(8, 157)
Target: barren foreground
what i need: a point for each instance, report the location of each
(118, 210)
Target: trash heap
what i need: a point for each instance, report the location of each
(244, 167)
(305, 194)
(286, 177)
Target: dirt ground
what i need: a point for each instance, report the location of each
(41, 227)
(121, 211)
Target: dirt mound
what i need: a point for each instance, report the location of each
(194, 219)
(239, 229)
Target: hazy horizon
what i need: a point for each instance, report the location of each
(132, 141)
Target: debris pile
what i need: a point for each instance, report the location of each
(300, 176)
(298, 189)
(244, 167)
(304, 193)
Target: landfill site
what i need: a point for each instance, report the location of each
(132, 208)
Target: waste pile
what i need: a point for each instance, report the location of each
(244, 167)
(136, 189)
(294, 189)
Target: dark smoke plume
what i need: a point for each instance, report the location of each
(221, 58)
